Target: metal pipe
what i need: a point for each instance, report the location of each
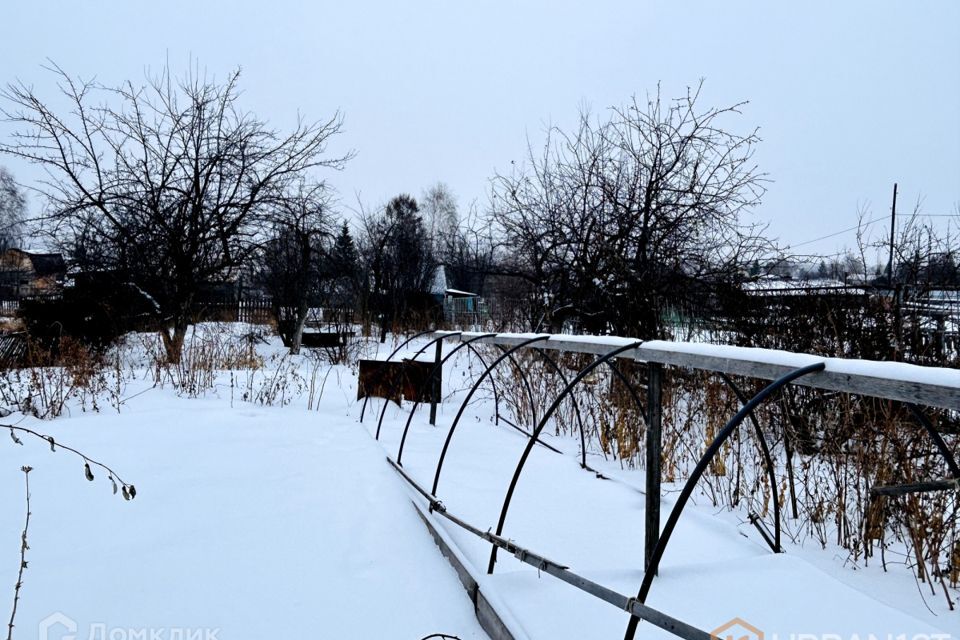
(768, 461)
(463, 405)
(526, 384)
(493, 386)
(416, 404)
(536, 433)
(915, 487)
(698, 472)
(629, 385)
(937, 439)
(576, 406)
(383, 411)
(560, 571)
(528, 434)
(762, 530)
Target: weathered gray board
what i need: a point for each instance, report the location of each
(743, 361)
(487, 615)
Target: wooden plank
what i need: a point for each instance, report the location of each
(489, 618)
(396, 380)
(915, 487)
(892, 384)
(933, 395)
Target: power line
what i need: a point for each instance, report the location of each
(837, 233)
(871, 221)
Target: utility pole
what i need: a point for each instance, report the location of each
(895, 291)
(893, 229)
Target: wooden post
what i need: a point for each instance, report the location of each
(788, 450)
(939, 334)
(435, 384)
(654, 453)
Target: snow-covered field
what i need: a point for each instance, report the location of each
(249, 522)
(282, 522)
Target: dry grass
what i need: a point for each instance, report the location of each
(829, 449)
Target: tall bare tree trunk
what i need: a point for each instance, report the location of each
(296, 340)
(174, 335)
(173, 342)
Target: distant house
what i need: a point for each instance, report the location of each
(24, 274)
(463, 308)
(460, 308)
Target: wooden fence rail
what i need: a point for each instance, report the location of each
(931, 386)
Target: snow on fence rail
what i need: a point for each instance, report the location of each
(914, 385)
(931, 386)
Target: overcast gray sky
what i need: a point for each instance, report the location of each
(849, 96)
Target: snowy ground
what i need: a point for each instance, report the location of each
(715, 569)
(279, 522)
(259, 522)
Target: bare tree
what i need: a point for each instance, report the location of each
(925, 257)
(440, 217)
(165, 183)
(469, 253)
(292, 258)
(399, 262)
(625, 217)
(13, 206)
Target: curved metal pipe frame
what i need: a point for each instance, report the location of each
(536, 433)
(533, 406)
(698, 472)
(383, 410)
(526, 382)
(576, 403)
(768, 461)
(390, 357)
(493, 384)
(576, 406)
(466, 401)
(433, 372)
(937, 439)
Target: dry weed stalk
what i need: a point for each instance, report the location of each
(24, 547)
(829, 449)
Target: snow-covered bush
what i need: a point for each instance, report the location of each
(209, 350)
(74, 377)
(276, 384)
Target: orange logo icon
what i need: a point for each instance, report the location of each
(736, 629)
